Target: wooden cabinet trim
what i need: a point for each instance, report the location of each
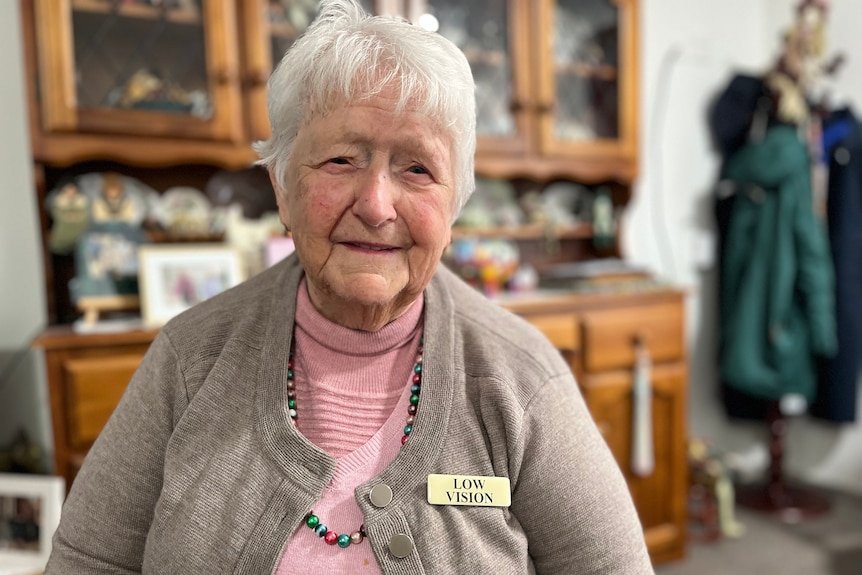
(257, 65)
(222, 48)
(53, 20)
(63, 338)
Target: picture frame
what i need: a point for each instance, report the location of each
(30, 508)
(174, 277)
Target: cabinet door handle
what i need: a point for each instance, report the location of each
(640, 341)
(546, 107)
(516, 106)
(223, 77)
(257, 78)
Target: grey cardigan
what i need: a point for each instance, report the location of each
(199, 469)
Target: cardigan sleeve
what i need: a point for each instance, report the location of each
(107, 515)
(570, 496)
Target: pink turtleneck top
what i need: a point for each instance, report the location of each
(352, 394)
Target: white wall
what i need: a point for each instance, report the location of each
(23, 397)
(689, 51)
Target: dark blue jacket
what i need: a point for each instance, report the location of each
(838, 387)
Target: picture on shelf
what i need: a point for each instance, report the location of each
(29, 514)
(173, 278)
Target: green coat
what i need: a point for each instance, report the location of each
(777, 282)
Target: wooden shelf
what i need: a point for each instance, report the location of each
(138, 11)
(168, 237)
(604, 72)
(526, 232)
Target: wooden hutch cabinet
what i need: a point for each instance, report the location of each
(145, 85)
(98, 58)
(87, 375)
(556, 83)
(599, 335)
(171, 95)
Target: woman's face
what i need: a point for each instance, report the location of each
(369, 203)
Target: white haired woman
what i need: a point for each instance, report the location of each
(356, 408)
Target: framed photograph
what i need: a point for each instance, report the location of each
(29, 514)
(174, 277)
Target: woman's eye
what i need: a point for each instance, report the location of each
(339, 161)
(418, 170)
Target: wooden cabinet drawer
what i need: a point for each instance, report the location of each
(560, 329)
(94, 386)
(610, 336)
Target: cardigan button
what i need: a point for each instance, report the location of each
(381, 495)
(400, 545)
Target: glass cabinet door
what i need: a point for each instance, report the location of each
(280, 23)
(139, 67)
(270, 27)
(587, 76)
(487, 32)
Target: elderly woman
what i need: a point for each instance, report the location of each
(356, 408)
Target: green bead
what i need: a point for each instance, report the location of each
(291, 403)
(312, 521)
(408, 429)
(418, 368)
(289, 374)
(343, 541)
(414, 399)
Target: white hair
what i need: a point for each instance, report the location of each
(346, 55)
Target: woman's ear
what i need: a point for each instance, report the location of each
(275, 185)
(281, 200)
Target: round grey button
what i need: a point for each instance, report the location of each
(757, 194)
(400, 545)
(842, 156)
(381, 495)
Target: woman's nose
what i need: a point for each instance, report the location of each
(375, 198)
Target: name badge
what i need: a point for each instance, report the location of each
(469, 490)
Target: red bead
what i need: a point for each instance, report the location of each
(417, 378)
(290, 364)
(411, 410)
(403, 440)
(331, 537)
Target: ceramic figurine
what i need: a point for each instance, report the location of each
(70, 212)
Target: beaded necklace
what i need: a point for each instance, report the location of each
(312, 521)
